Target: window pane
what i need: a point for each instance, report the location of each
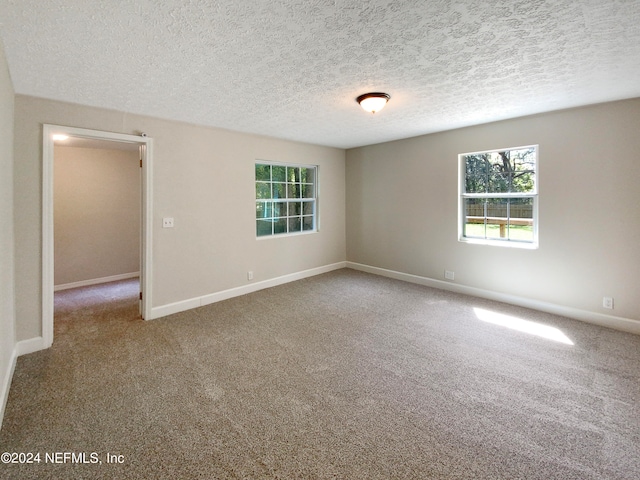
(263, 190)
(474, 207)
(307, 223)
(523, 162)
(475, 229)
(307, 208)
(521, 219)
(524, 159)
(499, 172)
(263, 209)
(521, 233)
(263, 227)
(293, 174)
(521, 208)
(279, 173)
(294, 224)
(475, 173)
(523, 182)
(512, 171)
(279, 190)
(263, 172)
(474, 217)
(280, 226)
(497, 210)
(293, 190)
(307, 191)
(280, 209)
(308, 175)
(295, 208)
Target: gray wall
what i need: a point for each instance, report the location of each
(7, 319)
(96, 213)
(402, 200)
(204, 178)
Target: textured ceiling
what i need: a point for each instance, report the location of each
(292, 69)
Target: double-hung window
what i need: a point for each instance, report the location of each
(286, 198)
(499, 197)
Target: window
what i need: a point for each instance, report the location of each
(285, 198)
(499, 197)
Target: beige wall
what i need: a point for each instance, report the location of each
(96, 213)
(7, 319)
(402, 209)
(204, 178)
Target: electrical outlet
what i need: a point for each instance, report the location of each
(449, 275)
(167, 222)
(249, 275)
(607, 302)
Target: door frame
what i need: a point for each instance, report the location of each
(48, 131)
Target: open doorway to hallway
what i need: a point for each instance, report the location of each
(97, 225)
(144, 144)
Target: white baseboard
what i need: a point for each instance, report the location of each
(7, 377)
(96, 281)
(24, 347)
(164, 310)
(610, 321)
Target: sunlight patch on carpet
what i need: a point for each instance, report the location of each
(525, 326)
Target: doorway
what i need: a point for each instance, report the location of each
(99, 140)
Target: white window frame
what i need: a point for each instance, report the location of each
(312, 200)
(463, 195)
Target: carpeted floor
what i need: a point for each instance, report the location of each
(344, 375)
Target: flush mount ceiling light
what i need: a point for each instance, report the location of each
(59, 136)
(373, 102)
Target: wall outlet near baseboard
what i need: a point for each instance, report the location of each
(249, 275)
(607, 302)
(449, 275)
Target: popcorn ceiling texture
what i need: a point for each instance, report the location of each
(292, 69)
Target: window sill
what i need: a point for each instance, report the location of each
(500, 243)
(284, 235)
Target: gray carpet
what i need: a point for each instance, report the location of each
(343, 375)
